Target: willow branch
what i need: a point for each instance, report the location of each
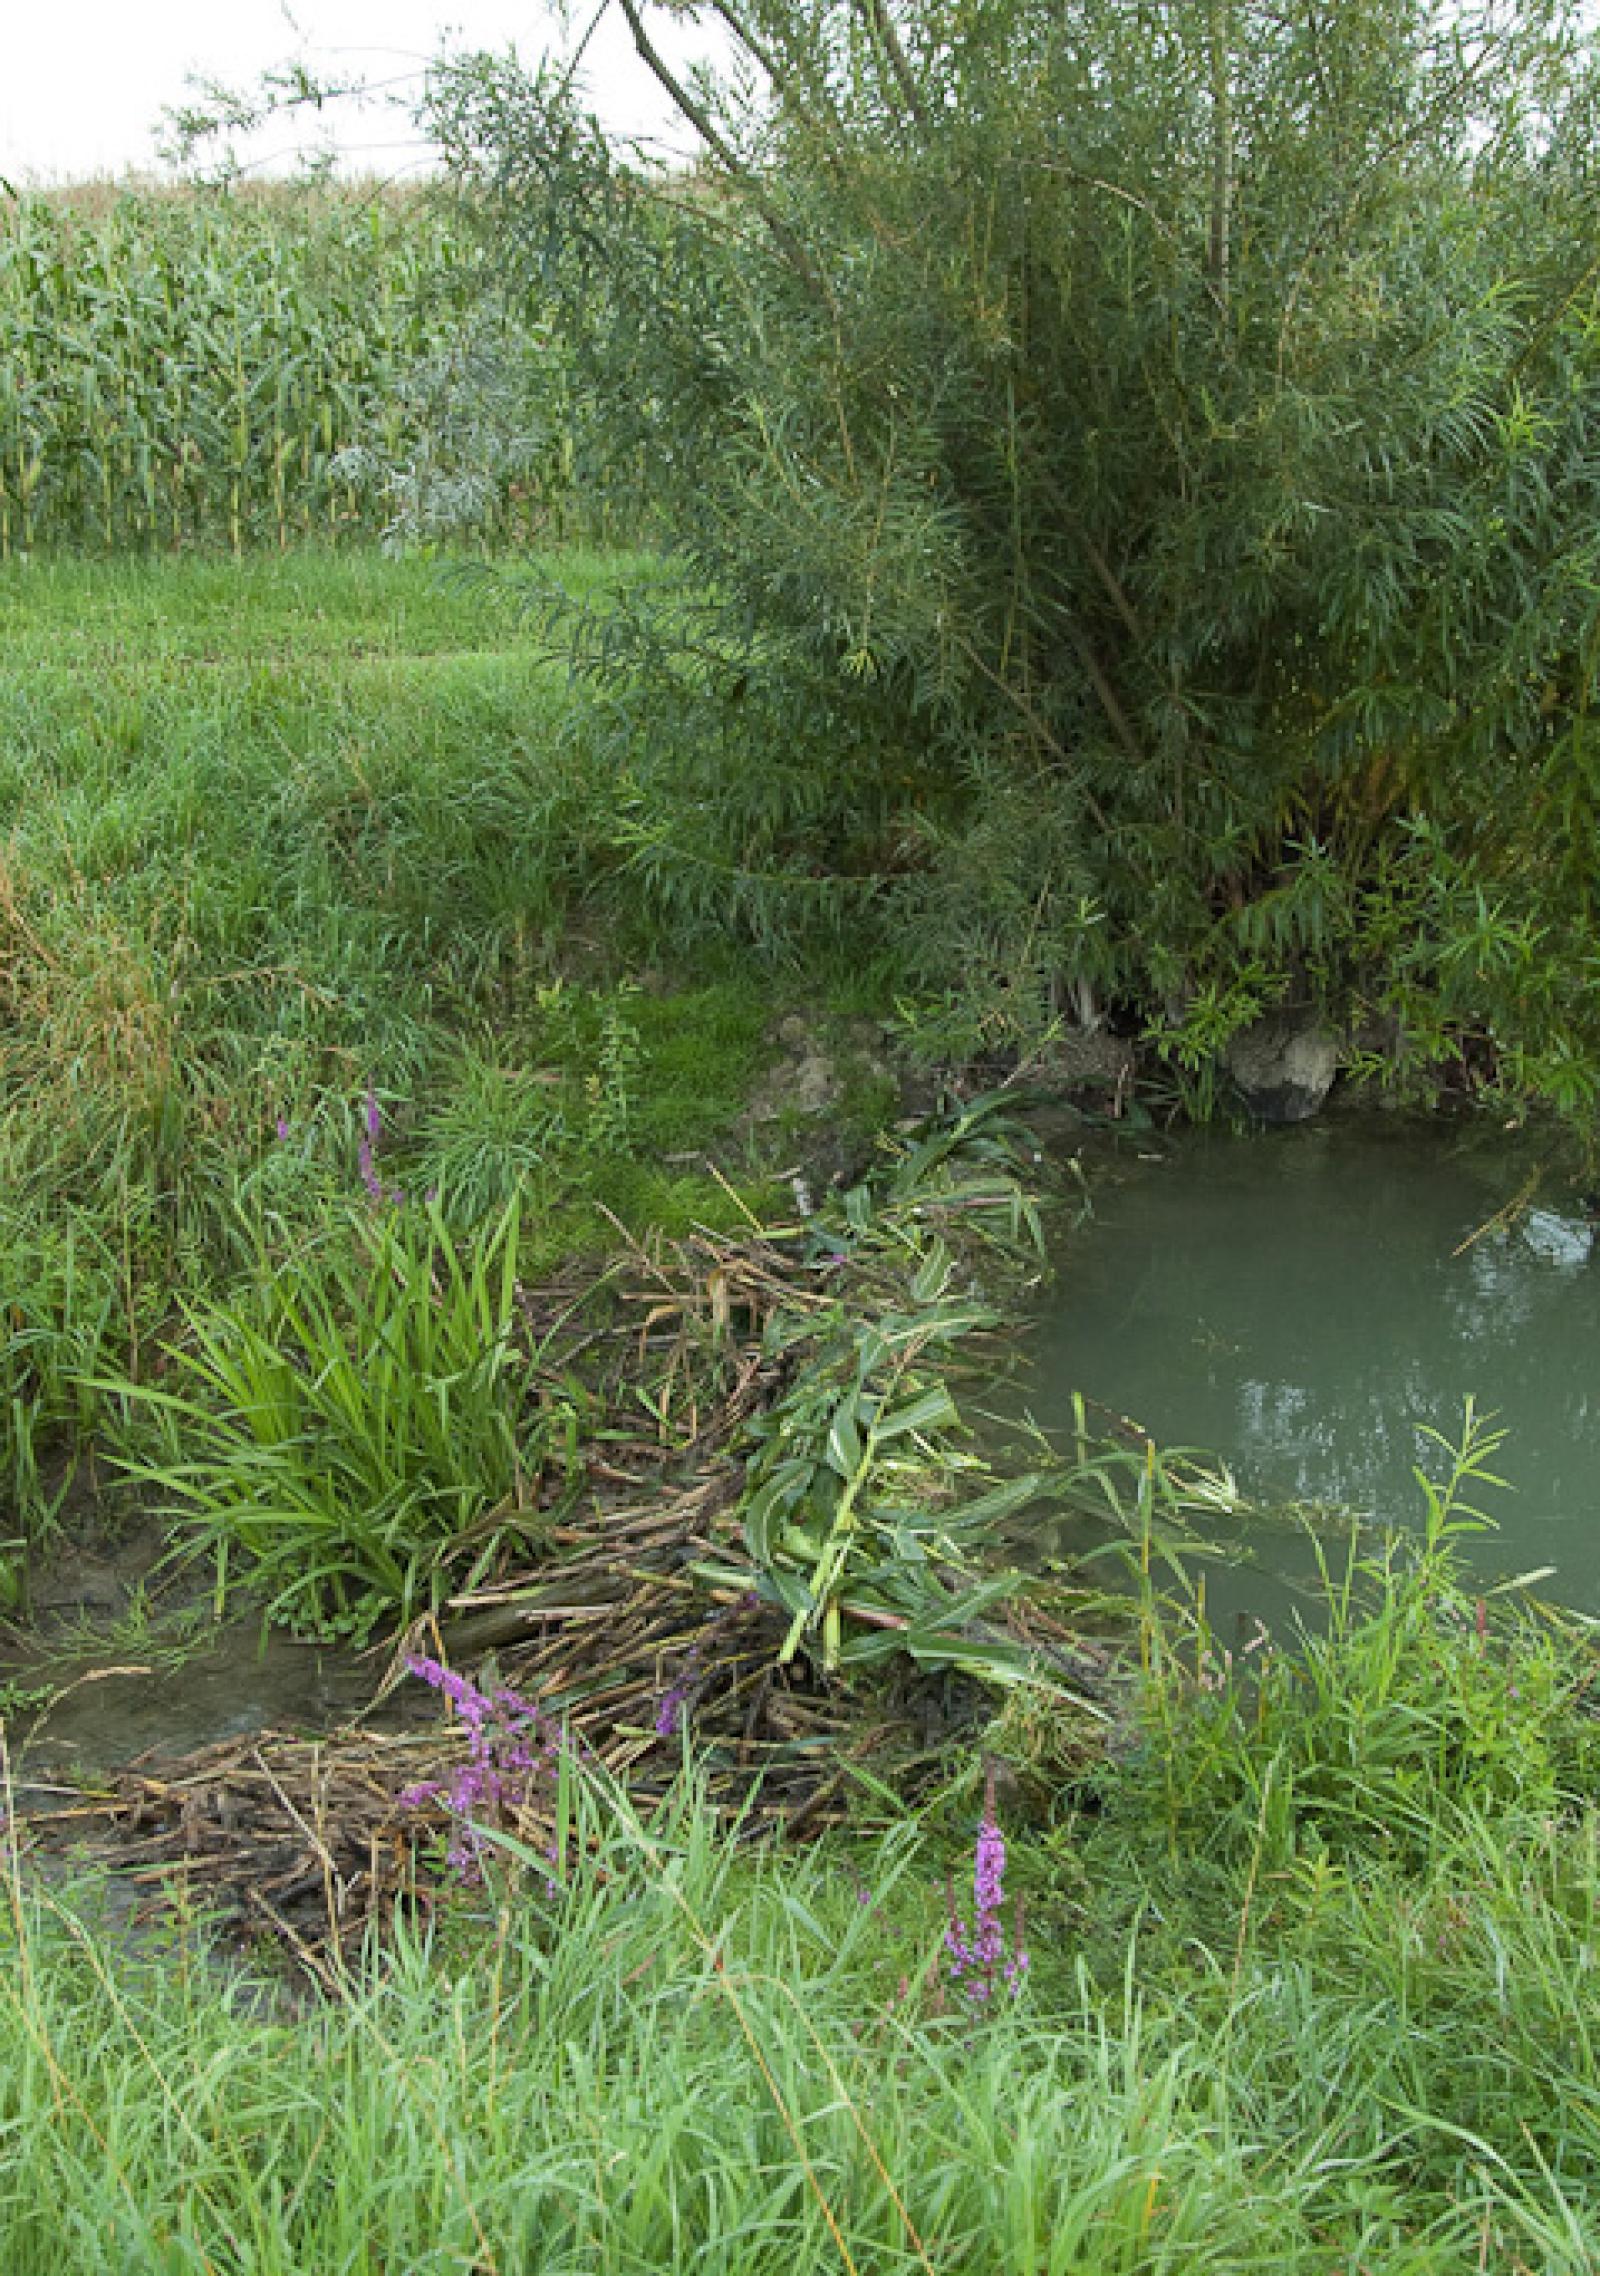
(1219, 253)
(1157, 221)
(888, 39)
(1110, 702)
(801, 93)
(718, 144)
(1334, 238)
(1041, 727)
(796, 88)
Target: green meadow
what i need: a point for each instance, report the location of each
(278, 835)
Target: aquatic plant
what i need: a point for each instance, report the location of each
(851, 1514)
(367, 1424)
(1402, 1697)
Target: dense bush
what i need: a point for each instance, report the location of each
(1134, 469)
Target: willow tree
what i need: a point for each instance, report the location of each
(1135, 471)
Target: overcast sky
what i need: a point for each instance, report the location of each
(85, 81)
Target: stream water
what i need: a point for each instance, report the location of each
(112, 1663)
(1301, 1302)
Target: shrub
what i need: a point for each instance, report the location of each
(1133, 475)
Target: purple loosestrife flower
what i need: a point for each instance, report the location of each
(693, 1675)
(673, 1702)
(424, 1791)
(978, 1958)
(367, 1153)
(369, 1176)
(463, 1694)
(509, 1753)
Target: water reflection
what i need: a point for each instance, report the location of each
(1304, 1302)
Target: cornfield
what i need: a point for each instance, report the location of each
(239, 370)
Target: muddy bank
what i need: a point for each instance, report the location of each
(119, 1653)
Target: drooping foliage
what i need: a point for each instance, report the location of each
(1133, 465)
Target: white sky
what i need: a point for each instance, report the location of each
(83, 82)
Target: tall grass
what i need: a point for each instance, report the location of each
(678, 2056)
(1404, 1700)
(364, 1421)
(271, 833)
(680, 2062)
(230, 369)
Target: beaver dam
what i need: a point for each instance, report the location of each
(781, 1536)
(776, 1532)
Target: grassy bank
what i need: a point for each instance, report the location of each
(288, 848)
(314, 891)
(1269, 2022)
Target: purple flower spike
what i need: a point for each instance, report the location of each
(978, 1960)
(673, 1701)
(369, 1176)
(283, 1131)
(507, 1759)
(367, 1153)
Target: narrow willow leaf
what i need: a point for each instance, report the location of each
(933, 1410)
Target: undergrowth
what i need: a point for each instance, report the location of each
(275, 836)
(364, 1421)
(1405, 1702)
(1232, 2050)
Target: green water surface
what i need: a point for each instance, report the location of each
(1303, 1302)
